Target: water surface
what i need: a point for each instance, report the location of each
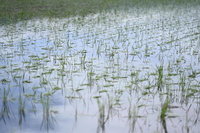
(109, 72)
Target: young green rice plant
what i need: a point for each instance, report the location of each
(48, 119)
(104, 112)
(193, 75)
(4, 81)
(147, 51)
(83, 59)
(132, 117)
(164, 110)
(182, 82)
(160, 77)
(136, 81)
(43, 81)
(102, 117)
(5, 109)
(21, 110)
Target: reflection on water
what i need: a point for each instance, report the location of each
(106, 73)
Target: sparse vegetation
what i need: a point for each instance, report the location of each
(99, 64)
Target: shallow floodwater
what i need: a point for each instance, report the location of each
(111, 72)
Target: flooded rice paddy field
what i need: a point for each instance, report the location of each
(109, 72)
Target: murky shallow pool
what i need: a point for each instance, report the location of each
(110, 72)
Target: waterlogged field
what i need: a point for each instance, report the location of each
(110, 72)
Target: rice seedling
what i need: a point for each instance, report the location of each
(160, 77)
(5, 109)
(164, 110)
(48, 115)
(132, 117)
(21, 111)
(104, 53)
